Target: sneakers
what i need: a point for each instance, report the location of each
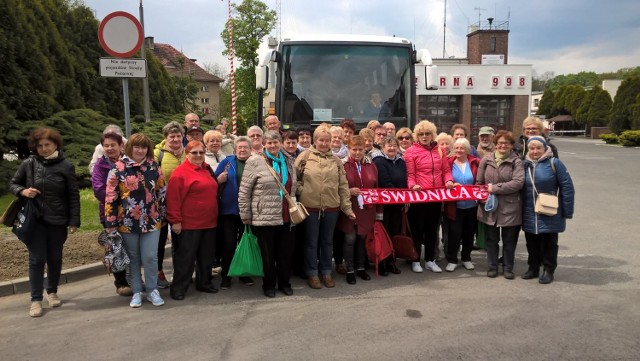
(314, 282)
(162, 280)
(36, 309)
(155, 299)
(124, 291)
(328, 281)
(54, 300)
(136, 300)
(451, 267)
(248, 281)
(415, 267)
(468, 265)
(433, 267)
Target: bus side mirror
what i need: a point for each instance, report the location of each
(431, 77)
(423, 57)
(262, 77)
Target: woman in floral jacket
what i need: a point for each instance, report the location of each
(135, 206)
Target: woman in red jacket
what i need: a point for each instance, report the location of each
(427, 167)
(461, 214)
(192, 210)
(361, 173)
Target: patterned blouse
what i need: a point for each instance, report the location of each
(135, 200)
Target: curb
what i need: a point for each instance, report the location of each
(21, 285)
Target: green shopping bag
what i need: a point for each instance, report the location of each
(480, 241)
(247, 261)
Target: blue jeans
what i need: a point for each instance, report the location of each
(318, 245)
(45, 246)
(142, 249)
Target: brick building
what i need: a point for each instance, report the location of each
(480, 90)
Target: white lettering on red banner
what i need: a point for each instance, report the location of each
(437, 194)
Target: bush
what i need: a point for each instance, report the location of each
(7, 170)
(630, 138)
(609, 138)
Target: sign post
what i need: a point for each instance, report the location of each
(120, 35)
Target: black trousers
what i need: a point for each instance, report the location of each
(276, 246)
(543, 250)
(424, 219)
(45, 246)
(461, 231)
(196, 246)
(230, 230)
(162, 243)
(338, 246)
(509, 237)
(297, 263)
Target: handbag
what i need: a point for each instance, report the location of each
(297, 211)
(26, 220)
(546, 204)
(403, 244)
(247, 261)
(10, 214)
(378, 244)
(115, 258)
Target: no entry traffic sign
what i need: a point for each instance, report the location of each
(120, 34)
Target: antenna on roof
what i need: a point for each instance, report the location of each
(479, 13)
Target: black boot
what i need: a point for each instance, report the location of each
(546, 278)
(531, 273)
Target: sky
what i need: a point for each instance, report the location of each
(561, 37)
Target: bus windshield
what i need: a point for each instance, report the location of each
(331, 82)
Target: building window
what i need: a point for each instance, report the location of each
(494, 43)
(205, 88)
(493, 111)
(204, 100)
(442, 110)
(536, 102)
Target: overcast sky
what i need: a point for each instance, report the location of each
(562, 36)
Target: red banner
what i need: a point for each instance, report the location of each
(437, 194)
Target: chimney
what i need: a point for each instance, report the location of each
(148, 41)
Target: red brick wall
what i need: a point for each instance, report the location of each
(479, 43)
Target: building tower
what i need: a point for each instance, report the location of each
(488, 42)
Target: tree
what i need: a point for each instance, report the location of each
(620, 114)
(541, 82)
(546, 102)
(600, 107)
(583, 79)
(252, 21)
(582, 113)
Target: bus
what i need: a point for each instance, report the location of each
(328, 78)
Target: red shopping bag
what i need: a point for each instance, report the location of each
(378, 244)
(403, 243)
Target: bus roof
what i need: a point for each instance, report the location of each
(346, 38)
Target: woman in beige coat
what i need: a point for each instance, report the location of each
(263, 205)
(323, 189)
(503, 172)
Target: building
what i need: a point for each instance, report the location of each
(481, 90)
(178, 64)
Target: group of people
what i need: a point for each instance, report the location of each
(200, 189)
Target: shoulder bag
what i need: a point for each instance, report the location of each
(297, 211)
(403, 243)
(546, 204)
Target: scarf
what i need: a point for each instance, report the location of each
(53, 155)
(501, 158)
(280, 166)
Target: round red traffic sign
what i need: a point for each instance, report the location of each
(120, 34)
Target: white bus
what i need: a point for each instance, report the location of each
(329, 78)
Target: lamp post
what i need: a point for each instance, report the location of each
(145, 80)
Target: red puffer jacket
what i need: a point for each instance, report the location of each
(426, 166)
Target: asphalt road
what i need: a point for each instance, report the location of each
(591, 311)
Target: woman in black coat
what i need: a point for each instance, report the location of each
(50, 179)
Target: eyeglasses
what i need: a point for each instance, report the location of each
(503, 143)
(196, 153)
(255, 136)
(424, 134)
(532, 129)
(405, 137)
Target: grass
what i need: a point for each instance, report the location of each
(89, 219)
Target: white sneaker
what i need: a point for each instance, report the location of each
(468, 265)
(433, 267)
(136, 300)
(451, 267)
(155, 299)
(415, 267)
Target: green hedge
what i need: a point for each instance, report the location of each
(609, 138)
(630, 138)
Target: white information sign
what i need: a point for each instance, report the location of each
(123, 68)
(322, 114)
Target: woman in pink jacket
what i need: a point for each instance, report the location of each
(427, 167)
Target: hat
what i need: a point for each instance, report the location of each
(538, 139)
(195, 127)
(486, 131)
